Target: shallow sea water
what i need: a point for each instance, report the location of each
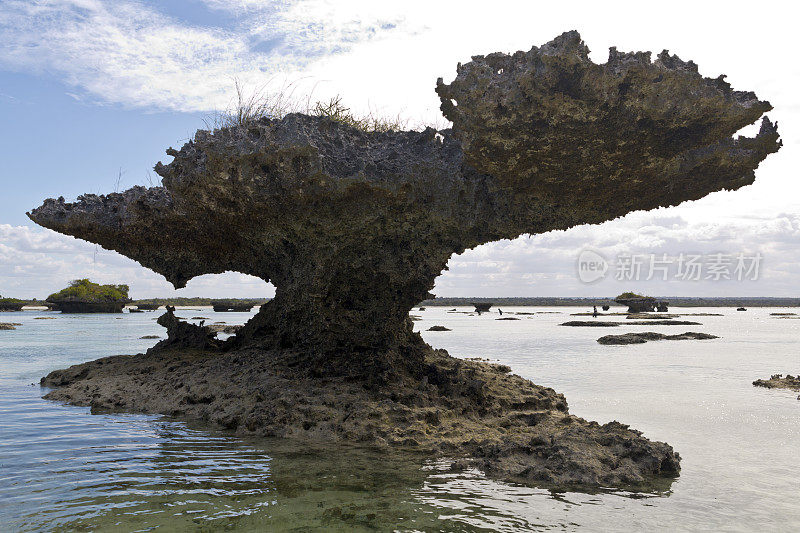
(63, 468)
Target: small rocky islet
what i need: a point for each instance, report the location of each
(313, 204)
(84, 296)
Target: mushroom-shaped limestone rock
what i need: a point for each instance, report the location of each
(352, 227)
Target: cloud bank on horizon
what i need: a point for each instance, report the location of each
(34, 263)
(183, 57)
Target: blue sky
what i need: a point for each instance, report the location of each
(89, 87)
(54, 145)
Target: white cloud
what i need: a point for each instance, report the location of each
(127, 52)
(545, 265)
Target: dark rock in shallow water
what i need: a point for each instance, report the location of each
(237, 308)
(665, 322)
(591, 324)
(482, 307)
(779, 381)
(353, 227)
(611, 324)
(507, 318)
(438, 328)
(640, 338)
(148, 307)
(184, 334)
(150, 337)
(641, 304)
(8, 326)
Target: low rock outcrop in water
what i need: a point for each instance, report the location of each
(641, 338)
(779, 381)
(482, 307)
(513, 429)
(353, 227)
(611, 324)
(147, 307)
(9, 325)
(641, 304)
(438, 328)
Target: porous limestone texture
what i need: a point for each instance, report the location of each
(509, 427)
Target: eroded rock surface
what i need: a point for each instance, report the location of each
(353, 227)
(511, 428)
(183, 334)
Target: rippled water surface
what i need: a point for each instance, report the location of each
(63, 468)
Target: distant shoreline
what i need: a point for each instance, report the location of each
(530, 301)
(675, 301)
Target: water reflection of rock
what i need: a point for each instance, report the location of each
(191, 479)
